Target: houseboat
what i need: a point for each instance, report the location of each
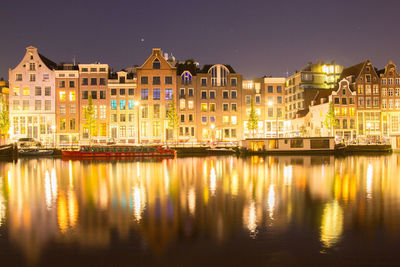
(288, 145)
(120, 151)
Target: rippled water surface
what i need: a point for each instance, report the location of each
(214, 211)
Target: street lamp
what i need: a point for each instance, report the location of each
(53, 129)
(276, 123)
(136, 103)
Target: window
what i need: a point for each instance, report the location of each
(47, 105)
(225, 95)
(279, 89)
(72, 124)
(145, 112)
(72, 84)
(203, 94)
(383, 81)
(122, 91)
(186, 78)
(212, 107)
(113, 117)
(368, 78)
(182, 92)
(72, 96)
(102, 81)
(93, 81)
(16, 105)
(204, 120)
(225, 107)
(113, 104)
(32, 77)
(85, 81)
(391, 91)
(376, 101)
(258, 99)
(131, 104)
(234, 107)
(248, 99)
(25, 104)
(156, 64)
(182, 118)
(233, 82)
(93, 70)
(190, 117)
(190, 92)
(225, 119)
(156, 80)
(102, 94)
(337, 100)
(279, 99)
(113, 91)
(144, 80)
(122, 117)
(84, 69)
(94, 94)
(156, 128)
(368, 102)
(390, 80)
(38, 91)
(18, 77)
(368, 89)
(182, 104)
(270, 112)
(38, 104)
(168, 94)
(145, 94)
(204, 107)
(85, 95)
(32, 66)
(218, 75)
(63, 109)
(384, 91)
(72, 109)
(344, 101)
(203, 81)
(62, 95)
(361, 102)
(131, 91)
(122, 104)
(156, 111)
(168, 79)
(190, 105)
(233, 94)
(156, 94)
(234, 120)
(270, 89)
(375, 89)
(121, 79)
(62, 124)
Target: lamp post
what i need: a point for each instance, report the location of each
(136, 103)
(276, 123)
(53, 129)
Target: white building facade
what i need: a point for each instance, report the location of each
(32, 98)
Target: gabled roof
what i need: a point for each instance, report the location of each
(49, 63)
(353, 70)
(321, 95)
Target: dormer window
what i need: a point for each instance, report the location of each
(156, 64)
(121, 79)
(186, 78)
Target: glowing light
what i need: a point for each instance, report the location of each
(235, 185)
(287, 175)
(271, 201)
(192, 201)
(331, 224)
(213, 181)
(250, 219)
(47, 189)
(62, 214)
(369, 180)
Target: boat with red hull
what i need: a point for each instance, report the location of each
(120, 151)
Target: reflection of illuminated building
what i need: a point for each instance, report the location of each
(331, 224)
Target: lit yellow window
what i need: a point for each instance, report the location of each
(337, 111)
(16, 91)
(351, 111)
(203, 107)
(26, 91)
(225, 119)
(62, 95)
(234, 119)
(72, 96)
(190, 104)
(344, 111)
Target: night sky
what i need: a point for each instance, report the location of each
(256, 37)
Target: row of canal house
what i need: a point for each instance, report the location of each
(48, 101)
(366, 104)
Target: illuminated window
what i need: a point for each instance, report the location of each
(38, 104)
(72, 96)
(168, 94)
(234, 107)
(26, 91)
(225, 119)
(72, 109)
(190, 105)
(16, 91)
(156, 111)
(62, 109)
(337, 111)
(212, 107)
(182, 104)
(113, 104)
(62, 95)
(62, 124)
(186, 78)
(203, 107)
(122, 104)
(234, 120)
(218, 75)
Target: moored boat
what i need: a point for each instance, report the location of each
(120, 151)
(35, 152)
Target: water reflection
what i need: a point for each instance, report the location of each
(165, 202)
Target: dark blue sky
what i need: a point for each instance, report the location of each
(256, 37)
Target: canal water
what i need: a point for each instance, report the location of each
(204, 211)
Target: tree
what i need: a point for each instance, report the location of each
(252, 124)
(172, 116)
(330, 121)
(4, 120)
(90, 123)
